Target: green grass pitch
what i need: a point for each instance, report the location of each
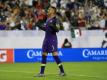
(74, 71)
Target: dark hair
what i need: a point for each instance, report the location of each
(66, 40)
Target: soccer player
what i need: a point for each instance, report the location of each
(50, 41)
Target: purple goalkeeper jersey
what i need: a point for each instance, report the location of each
(50, 40)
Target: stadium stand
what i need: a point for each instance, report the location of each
(24, 14)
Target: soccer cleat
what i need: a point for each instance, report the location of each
(62, 74)
(39, 75)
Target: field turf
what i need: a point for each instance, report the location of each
(74, 71)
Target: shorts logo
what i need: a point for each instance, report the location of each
(3, 55)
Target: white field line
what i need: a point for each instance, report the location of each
(79, 75)
(15, 71)
(82, 75)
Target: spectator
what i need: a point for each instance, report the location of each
(66, 25)
(81, 21)
(2, 25)
(72, 5)
(105, 3)
(14, 19)
(104, 42)
(106, 22)
(95, 26)
(102, 21)
(71, 11)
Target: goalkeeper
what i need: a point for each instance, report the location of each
(50, 41)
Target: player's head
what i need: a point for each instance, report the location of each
(52, 10)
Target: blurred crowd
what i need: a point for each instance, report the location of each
(24, 14)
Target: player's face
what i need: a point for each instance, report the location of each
(50, 11)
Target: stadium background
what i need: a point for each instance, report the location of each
(83, 22)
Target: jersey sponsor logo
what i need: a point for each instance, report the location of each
(3, 55)
(6, 56)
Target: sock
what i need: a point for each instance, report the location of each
(61, 68)
(59, 63)
(42, 69)
(43, 64)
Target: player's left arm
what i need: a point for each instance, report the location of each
(39, 24)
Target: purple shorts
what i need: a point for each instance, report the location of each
(49, 46)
